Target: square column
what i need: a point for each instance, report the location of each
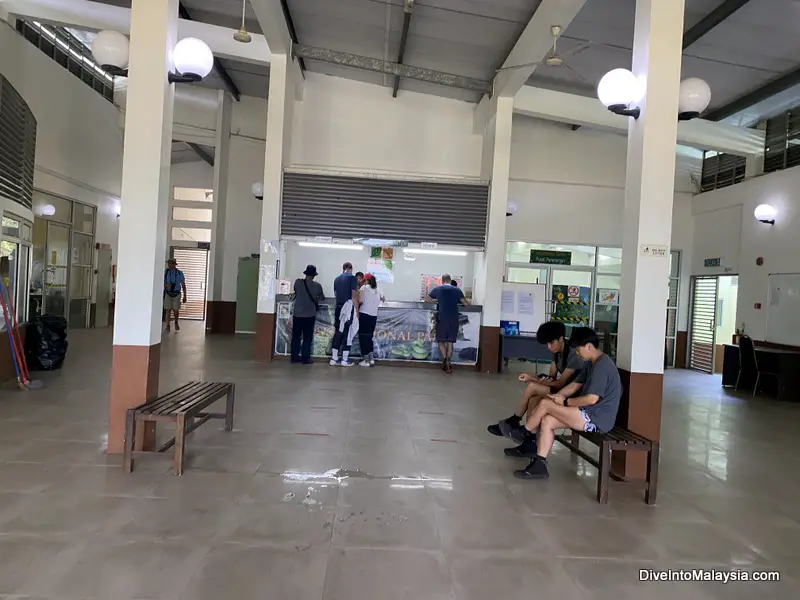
(647, 221)
(143, 218)
(280, 112)
(489, 267)
(220, 315)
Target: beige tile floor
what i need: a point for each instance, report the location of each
(260, 512)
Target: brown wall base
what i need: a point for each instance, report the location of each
(134, 381)
(681, 341)
(489, 350)
(639, 411)
(265, 336)
(220, 317)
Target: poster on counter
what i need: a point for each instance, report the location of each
(428, 282)
(407, 334)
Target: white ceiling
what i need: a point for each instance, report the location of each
(472, 38)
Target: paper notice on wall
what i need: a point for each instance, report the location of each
(525, 303)
(266, 283)
(508, 305)
(382, 269)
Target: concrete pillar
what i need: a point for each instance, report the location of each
(647, 221)
(280, 110)
(143, 221)
(220, 315)
(495, 166)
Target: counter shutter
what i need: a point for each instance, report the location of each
(17, 146)
(453, 214)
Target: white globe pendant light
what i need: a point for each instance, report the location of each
(257, 190)
(620, 91)
(111, 50)
(192, 59)
(511, 208)
(765, 213)
(694, 97)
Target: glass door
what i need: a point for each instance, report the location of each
(56, 270)
(80, 280)
(571, 292)
(702, 333)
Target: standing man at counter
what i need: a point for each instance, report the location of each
(345, 289)
(449, 298)
(307, 296)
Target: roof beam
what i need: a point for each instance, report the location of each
(273, 21)
(534, 44)
(221, 71)
(776, 86)
(365, 63)
(201, 152)
(287, 14)
(581, 110)
(94, 16)
(407, 9)
(711, 20)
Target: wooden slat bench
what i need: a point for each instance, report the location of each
(185, 407)
(618, 438)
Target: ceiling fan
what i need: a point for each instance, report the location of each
(554, 58)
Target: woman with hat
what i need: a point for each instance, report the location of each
(307, 296)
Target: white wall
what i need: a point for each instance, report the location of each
(569, 189)
(778, 245)
(406, 286)
(347, 125)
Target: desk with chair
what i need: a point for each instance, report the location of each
(525, 347)
(747, 366)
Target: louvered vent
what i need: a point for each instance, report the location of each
(17, 146)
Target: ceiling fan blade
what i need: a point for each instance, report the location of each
(577, 50)
(523, 66)
(581, 77)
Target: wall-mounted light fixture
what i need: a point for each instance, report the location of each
(257, 189)
(621, 91)
(192, 59)
(331, 245)
(47, 210)
(765, 213)
(511, 208)
(434, 251)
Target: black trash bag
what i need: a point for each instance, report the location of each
(46, 343)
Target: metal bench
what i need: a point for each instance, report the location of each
(618, 438)
(185, 407)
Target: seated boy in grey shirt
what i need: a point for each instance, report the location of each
(594, 410)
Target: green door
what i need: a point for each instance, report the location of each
(247, 295)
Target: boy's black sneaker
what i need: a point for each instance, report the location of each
(537, 469)
(513, 421)
(516, 433)
(526, 449)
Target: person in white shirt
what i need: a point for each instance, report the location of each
(369, 298)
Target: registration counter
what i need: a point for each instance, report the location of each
(405, 332)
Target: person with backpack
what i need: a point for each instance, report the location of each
(307, 296)
(174, 284)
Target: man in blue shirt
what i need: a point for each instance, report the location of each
(449, 298)
(345, 287)
(174, 284)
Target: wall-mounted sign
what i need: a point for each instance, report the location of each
(712, 262)
(204, 245)
(551, 257)
(654, 250)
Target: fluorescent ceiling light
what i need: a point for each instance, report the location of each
(338, 246)
(432, 251)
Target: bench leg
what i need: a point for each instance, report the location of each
(652, 475)
(604, 473)
(130, 440)
(229, 409)
(180, 444)
(576, 440)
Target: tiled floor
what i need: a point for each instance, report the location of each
(430, 510)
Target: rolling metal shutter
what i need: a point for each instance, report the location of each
(452, 214)
(17, 146)
(194, 264)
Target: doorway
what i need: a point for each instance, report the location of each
(713, 320)
(194, 264)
